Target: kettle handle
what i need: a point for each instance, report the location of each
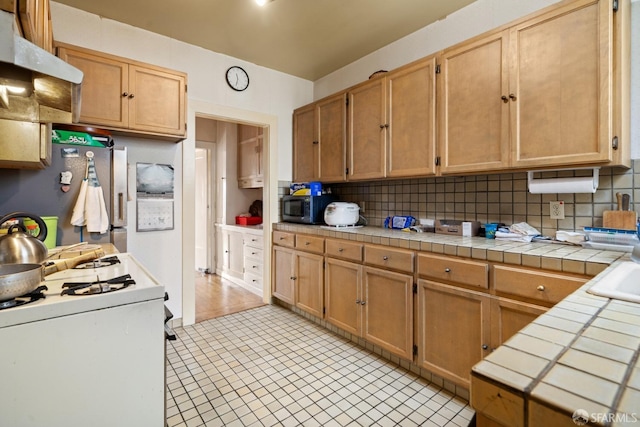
(43, 227)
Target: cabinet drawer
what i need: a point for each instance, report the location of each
(253, 253)
(465, 272)
(252, 266)
(254, 241)
(344, 249)
(496, 403)
(282, 238)
(539, 285)
(310, 243)
(383, 256)
(253, 280)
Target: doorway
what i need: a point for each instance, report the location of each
(219, 198)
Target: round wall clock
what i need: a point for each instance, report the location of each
(237, 78)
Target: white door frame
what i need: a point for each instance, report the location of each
(269, 193)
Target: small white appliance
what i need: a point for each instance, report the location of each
(341, 214)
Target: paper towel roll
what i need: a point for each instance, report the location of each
(582, 184)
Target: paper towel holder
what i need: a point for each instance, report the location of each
(578, 184)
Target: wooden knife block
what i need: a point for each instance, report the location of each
(622, 220)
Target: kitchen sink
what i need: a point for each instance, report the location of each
(623, 283)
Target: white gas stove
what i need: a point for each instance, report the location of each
(54, 304)
(95, 359)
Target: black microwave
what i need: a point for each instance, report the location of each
(305, 209)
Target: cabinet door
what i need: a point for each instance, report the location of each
(473, 118)
(367, 130)
(332, 138)
(454, 328)
(156, 100)
(233, 253)
(561, 79)
(305, 144)
(388, 310)
(309, 283)
(248, 159)
(412, 120)
(509, 316)
(103, 87)
(342, 284)
(282, 274)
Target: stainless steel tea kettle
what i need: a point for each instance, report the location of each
(20, 247)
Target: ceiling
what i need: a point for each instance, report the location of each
(304, 38)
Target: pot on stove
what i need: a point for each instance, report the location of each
(20, 247)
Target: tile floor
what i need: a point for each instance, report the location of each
(268, 366)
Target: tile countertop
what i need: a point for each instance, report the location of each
(581, 354)
(549, 256)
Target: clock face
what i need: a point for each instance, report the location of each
(237, 78)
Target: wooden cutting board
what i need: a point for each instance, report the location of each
(622, 220)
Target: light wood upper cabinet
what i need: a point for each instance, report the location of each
(368, 130)
(126, 95)
(250, 170)
(411, 93)
(473, 119)
(537, 94)
(560, 75)
(305, 152)
(319, 140)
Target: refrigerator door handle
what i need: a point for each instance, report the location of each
(119, 178)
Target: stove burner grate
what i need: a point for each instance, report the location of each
(98, 286)
(98, 263)
(32, 296)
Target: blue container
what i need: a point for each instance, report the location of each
(316, 188)
(490, 230)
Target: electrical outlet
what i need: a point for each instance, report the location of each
(361, 204)
(556, 209)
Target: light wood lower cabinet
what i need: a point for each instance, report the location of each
(308, 282)
(298, 279)
(387, 302)
(282, 279)
(454, 329)
(509, 316)
(343, 290)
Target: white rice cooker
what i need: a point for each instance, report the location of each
(341, 214)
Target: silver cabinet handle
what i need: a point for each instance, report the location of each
(357, 301)
(485, 347)
(340, 249)
(541, 288)
(385, 258)
(362, 303)
(447, 270)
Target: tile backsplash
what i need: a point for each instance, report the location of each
(490, 198)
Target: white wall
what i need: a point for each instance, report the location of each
(169, 254)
